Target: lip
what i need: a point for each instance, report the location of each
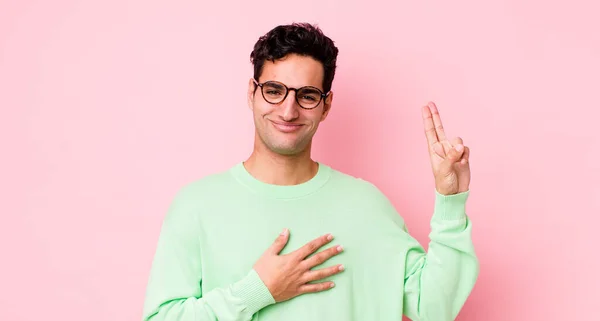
(286, 127)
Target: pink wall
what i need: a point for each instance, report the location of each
(108, 107)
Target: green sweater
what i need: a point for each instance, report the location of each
(218, 226)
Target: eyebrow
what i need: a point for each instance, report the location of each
(311, 89)
(276, 85)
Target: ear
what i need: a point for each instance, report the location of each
(251, 90)
(327, 105)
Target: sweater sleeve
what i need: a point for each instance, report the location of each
(174, 291)
(438, 282)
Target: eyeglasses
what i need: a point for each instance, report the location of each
(307, 97)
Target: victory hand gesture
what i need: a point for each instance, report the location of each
(449, 158)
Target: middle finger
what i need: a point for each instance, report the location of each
(322, 256)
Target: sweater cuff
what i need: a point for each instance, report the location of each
(253, 292)
(450, 207)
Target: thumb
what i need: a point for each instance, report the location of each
(280, 242)
(456, 153)
(453, 156)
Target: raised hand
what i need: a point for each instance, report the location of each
(449, 158)
(287, 276)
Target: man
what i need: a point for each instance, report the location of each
(219, 257)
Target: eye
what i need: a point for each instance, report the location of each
(273, 90)
(309, 95)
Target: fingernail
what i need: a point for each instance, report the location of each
(459, 148)
(332, 285)
(341, 267)
(284, 232)
(340, 248)
(329, 237)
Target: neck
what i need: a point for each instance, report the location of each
(272, 168)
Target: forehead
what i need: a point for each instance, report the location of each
(294, 71)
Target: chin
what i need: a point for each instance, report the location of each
(282, 145)
(286, 150)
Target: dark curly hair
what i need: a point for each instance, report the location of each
(297, 38)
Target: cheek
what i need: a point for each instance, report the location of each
(315, 117)
(262, 109)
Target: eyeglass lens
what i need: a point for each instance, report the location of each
(307, 97)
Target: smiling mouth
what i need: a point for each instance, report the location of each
(286, 127)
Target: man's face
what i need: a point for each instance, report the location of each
(286, 128)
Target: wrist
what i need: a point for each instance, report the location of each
(254, 292)
(450, 206)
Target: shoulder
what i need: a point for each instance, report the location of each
(197, 190)
(364, 194)
(354, 183)
(359, 190)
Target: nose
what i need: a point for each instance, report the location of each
(290, 107)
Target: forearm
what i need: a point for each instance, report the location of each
(237, 302)
(438, 282)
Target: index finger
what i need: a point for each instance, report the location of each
(430, 133)
(313, 246)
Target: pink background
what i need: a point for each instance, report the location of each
(108, 107)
